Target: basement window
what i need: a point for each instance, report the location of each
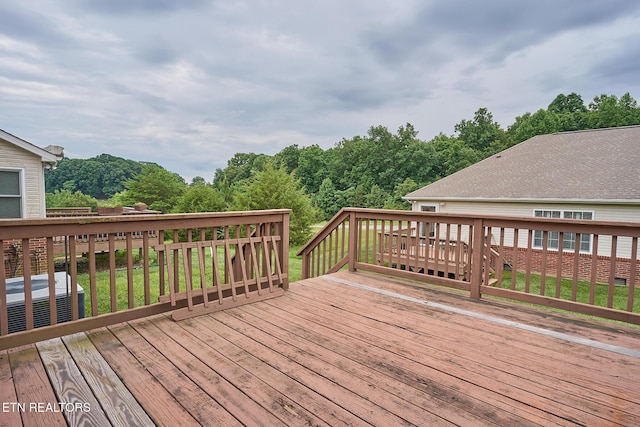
(569, 239)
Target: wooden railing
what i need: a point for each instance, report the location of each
(247, 253)
(589, 267)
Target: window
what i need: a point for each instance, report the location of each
(569, 239)
(10, 193)
(423, 225)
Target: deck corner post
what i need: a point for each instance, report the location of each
(353, 234)
(477, 248)
(305, 265)
(284, 249)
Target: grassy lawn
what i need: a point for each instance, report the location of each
(620, 293)
(103, 282)
(295, 273)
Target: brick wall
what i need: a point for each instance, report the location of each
(37, 257)
(622, 266)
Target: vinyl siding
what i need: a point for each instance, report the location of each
(601, 212)
(33, 178)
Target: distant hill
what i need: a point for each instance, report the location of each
(100, 177)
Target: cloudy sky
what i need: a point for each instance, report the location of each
(189, 83)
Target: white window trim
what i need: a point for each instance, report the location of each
(562, 211)
(23, 196)
(436, 208)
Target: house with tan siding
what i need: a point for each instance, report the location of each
(588, 175)
(22, 165)
(22, 195)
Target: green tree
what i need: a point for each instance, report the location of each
(68, 199)
(274, 188)
(528, 125)
(609, 111)
(200, 198)
(377, 198)
(401, 190)
(312, 168)
(482, 134)
(453, 155)
(288, 157)
(418, 161)
(567, 104)
(157, 187)
(326, 199)
(100, 177)
(240, 167)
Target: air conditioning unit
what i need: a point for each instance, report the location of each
(40, 301)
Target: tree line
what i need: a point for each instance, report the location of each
(373, 170)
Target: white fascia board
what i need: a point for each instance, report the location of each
(526, 200)
(44, 155)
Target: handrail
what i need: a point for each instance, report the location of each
(586, 266)
(324, 232)
(330, 229)
(134, 292)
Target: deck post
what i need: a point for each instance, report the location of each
(305, 265)
(353, 233)
(477, 248)
(284, 249)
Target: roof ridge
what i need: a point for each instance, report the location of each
(595, 130)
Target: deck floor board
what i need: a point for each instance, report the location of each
(405, 361)
(401, 338)
(331, 353)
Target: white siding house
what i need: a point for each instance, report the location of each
(589, 175)
(22, 164)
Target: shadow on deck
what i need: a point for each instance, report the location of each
(342, 349)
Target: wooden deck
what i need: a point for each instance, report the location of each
(344, 349)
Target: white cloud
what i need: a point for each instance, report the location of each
(188, 84)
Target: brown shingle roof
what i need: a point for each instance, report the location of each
(602, 164)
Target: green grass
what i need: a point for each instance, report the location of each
(601, 294)
(620, 293)
(103, 282)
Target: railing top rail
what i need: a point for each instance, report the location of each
(150, 217)
(561, 224)
(324, 232)
(44, 227)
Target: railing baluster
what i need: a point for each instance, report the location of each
(514, 259)
(145, 265)
(51, 277)
(527, 285)
(543, 263)
(366, 242)
(559, 266)
(161, 262)
(324, 256)
(594, 270)
(28, 296)
(4, 328)
(576, 264)
(500, 260)
(216, 268)
(73, 272)
(612, 270)
(631, 285)
(112, 272)
(93, 291)
(129, 249)
(487, 257)
(188, 277)
(436, 251)
(460, 256)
